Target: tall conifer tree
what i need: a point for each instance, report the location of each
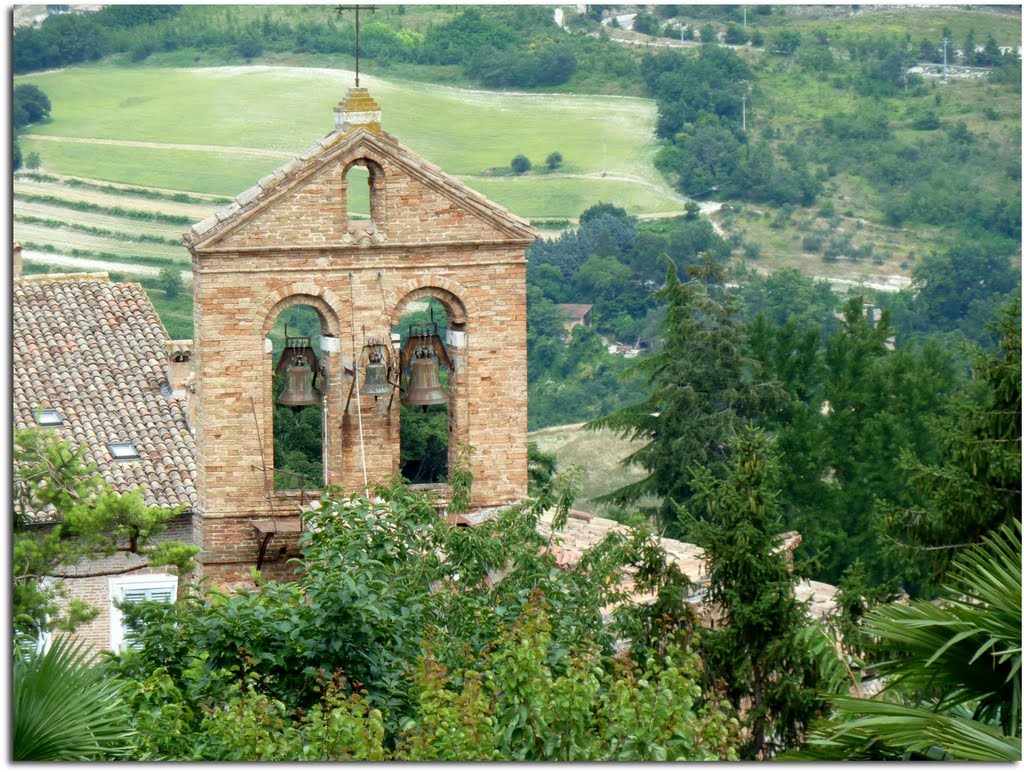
(703, 387)
(756, 649)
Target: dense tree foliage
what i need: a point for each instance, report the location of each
(499, 47)
(700, 116)
(958, 289)
(703, 388)
(395, 642)
(973, 487)
(613, 263)
(28, 105)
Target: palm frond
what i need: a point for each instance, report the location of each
(954, 693)
(65, 708)
(969, 647)
(920, 731)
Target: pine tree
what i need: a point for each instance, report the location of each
(703, 387)
(756, 649)
(976, 488)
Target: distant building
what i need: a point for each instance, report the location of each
(575, 313)
(627, 350)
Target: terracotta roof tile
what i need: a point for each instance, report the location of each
(580, 534)
(97, 352)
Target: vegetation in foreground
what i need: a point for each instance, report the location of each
(398, 640)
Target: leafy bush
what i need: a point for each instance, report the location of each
(395, 643)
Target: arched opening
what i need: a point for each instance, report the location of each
(364, 191)
(426, 429)
(298, 409)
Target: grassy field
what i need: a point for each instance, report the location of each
(249, 120)
(600, 453)
(124, 126)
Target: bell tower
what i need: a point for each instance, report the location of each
(292, 239)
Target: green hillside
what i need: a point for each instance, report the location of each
(218, 130)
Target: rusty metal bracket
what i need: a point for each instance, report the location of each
(263, 548)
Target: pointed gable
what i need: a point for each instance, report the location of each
(304, 204)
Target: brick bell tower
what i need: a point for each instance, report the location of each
(290, 240)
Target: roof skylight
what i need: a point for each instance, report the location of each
(123, 451)
(48, 416)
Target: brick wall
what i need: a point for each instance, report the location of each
(95, 590)
(298, 246)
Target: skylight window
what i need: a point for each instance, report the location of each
(48, 416)
(123, 451)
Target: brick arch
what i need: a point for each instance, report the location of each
(323, 301)
(363, 159)
(376, 226)
(454, 296)
(361, 153)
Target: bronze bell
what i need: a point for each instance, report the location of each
(375, 383)
(299, 390)
(424, 381)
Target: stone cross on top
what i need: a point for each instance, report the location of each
(357, 9)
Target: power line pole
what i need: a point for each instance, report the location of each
(744, 112)
(945, 46)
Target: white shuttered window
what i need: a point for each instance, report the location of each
(158, 587)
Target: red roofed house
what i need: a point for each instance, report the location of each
(575, 313)
(91, 363)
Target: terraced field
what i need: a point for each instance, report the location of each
(138, 230)
(67, 241)
(128, 198)
(66, 224)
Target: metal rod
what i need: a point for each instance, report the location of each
(357, 9)
(263, 462)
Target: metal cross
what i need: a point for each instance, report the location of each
(357, 9)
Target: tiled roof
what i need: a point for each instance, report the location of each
(97, 352)
(575, 310)
(582, 531)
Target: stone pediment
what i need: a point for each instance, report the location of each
(302, 204)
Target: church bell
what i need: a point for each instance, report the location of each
(299, 390)
(424, 381)
(375, 381)
(298, 362)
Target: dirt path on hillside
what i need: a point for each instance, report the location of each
(253, 151)
(876, 281)
(87, 265)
